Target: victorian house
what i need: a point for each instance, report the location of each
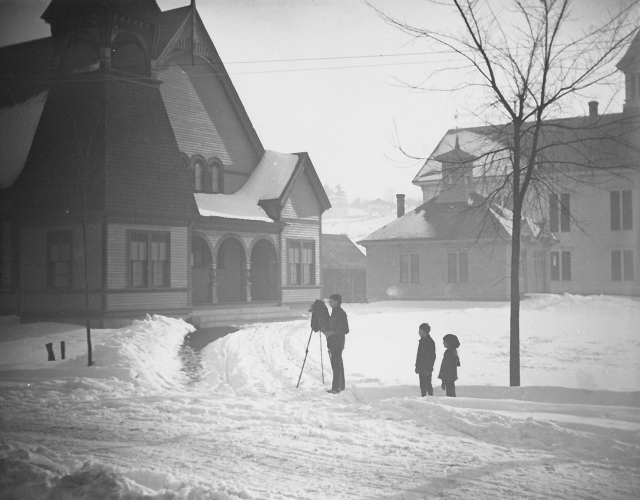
(131, 170)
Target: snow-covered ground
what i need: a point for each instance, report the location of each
(138, 425)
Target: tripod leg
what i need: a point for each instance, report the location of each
(305, 358)
(321, 365)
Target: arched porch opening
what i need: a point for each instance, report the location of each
(231, 269)
(201, 263)
(264, 271)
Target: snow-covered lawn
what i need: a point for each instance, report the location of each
(136, 425)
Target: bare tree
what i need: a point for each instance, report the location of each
(525, 67)
(81, 182)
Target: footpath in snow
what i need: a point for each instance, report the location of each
(138, 425)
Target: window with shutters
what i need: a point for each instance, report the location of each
(59, 259)
(149, 260)
(621, 210)
(301, 262)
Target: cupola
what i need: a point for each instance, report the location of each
(457, 173)
(630, 66)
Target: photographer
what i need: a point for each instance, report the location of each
(338, 328)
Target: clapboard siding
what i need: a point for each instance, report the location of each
(148, 302)
(117, 254)
(307, 295)
(59, 302)
(303, 202)
(300, 231)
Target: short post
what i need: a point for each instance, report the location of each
(62, 349)
(49, 347)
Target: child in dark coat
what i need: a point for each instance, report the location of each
(450, 362)
(425, 359)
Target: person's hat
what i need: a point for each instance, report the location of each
(451, 340)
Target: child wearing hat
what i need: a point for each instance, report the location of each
(425, 359)
(450, 362)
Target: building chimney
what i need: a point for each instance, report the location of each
(593, 108)
(400, 200)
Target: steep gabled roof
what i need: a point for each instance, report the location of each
(339, 252)
(185, 22)
(435, 220)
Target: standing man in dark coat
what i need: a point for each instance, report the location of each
(425, 359)
(339, 327)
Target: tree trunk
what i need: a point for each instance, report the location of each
(86, 291)
(514, 318)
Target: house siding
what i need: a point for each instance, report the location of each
(300, 231)
(303, 203)
(488, 272)
(150, 302)
(591, 239)
(33, 257)
(117, 254)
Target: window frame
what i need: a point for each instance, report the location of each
(150, 268)
(621, 209)
(622, 265)
(409, 265)
(216, 166)
(458, 268)
(560, 212)
(561, 270)
(66, 234)
(302, 270)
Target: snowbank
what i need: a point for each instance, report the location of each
(132, 426)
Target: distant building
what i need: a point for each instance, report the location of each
(457, 245)
(344, 268)
(126, 121)
(593, 212)
(379, 207)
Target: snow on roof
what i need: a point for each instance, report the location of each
(17, 128)
(489, 154)
(267, 182)
(410, 225)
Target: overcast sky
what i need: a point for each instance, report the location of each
(338, 93)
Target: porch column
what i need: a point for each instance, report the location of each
(247, 280)
(213, 285)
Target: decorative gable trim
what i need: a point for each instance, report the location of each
(304, 164)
